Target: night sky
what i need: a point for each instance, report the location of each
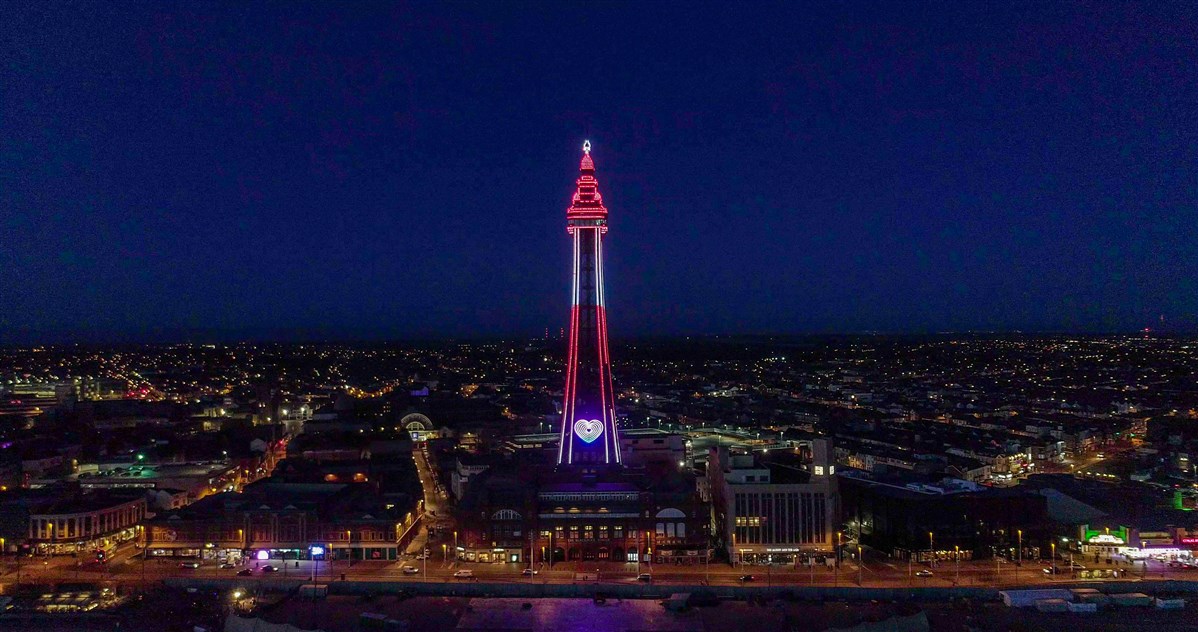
(358, 170)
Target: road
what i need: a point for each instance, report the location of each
(881, 573)
(436, 502)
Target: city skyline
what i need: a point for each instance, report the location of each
(370, 172)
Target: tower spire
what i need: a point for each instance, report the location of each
(587, 203)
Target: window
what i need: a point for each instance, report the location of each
(505, 514)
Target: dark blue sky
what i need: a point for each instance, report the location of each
(355, 169)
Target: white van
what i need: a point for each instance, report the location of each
(464, 574)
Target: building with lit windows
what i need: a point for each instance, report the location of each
(512, 512)
(86, 522)
(272, 520)
(783, 510)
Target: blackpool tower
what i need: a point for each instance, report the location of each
(588, 434)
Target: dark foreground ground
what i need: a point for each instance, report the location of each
(177, 610)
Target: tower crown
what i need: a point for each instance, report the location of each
(587, 207)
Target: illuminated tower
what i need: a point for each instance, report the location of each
(588, 434)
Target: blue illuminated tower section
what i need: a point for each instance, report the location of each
(588, 435)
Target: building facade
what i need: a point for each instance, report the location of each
(513, 513)
(86, 523)
(772, 512)
(272, 520)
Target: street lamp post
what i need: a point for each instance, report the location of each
(836, 566)
(931, 549)
(957, 564)
(455, 546)
(145, 552)
(1052, 559)
(1019, 562)
(860, 564)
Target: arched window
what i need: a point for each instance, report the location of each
(670, 512)
(505, 514)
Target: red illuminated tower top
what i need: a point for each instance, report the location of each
(588, 203)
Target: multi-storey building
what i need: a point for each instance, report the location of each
(515, 513)
(774, 511)
(85, 522)
(273, 520)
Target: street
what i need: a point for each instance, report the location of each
(880, 573)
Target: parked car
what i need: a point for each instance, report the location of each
(528, 572)
(410, 570)
(191, 564)
(644, 577)
(924, 573)
(464, 574)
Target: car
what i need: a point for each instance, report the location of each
(924, 573)
(245, 572)
(644, 577)
(408, 569)
(463, 574)
(269, 569)
(747, 578)
(528, 572)
(1052, 570)
(1176, 564)
(189, 564)
(226, 565)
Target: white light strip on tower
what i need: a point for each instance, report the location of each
(615, 434)
(568, 405)
(599, 342)
(576, 312)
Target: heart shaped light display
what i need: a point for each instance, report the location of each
(588, 429)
